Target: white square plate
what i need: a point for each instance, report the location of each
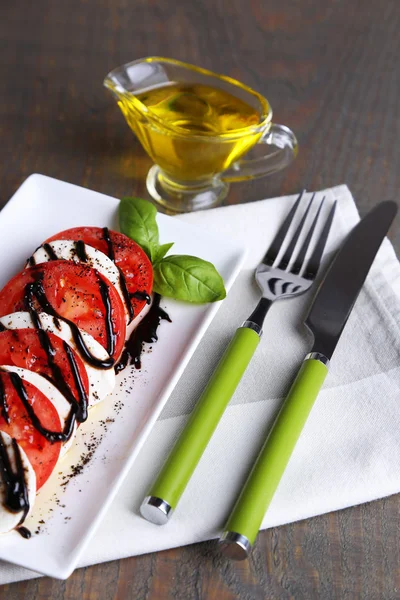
(66, 517)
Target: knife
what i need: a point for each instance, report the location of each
(327, 317)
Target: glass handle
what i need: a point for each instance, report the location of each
(286, 146)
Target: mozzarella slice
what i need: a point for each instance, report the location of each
(68, 250)
(10, 520)
(61, 405)
(135, 322)
(101, 381)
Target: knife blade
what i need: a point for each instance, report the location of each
(345, 277)
(326, 320)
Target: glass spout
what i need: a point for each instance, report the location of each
(130, 80)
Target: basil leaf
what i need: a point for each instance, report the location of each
(161, 252)
(188, 278)
(137, 220)
(180, 277)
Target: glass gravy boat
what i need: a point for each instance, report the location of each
(197, 126)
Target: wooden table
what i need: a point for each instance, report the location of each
(329, 70)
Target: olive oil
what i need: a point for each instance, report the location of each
(192, 131)
(199, 109)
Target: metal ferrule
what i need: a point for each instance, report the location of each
(254, 326)
(156, 510)
(318, 356)
(234, 545)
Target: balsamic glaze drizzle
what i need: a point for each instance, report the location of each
(36, 290)
(141, 296)
(16, 496)
(110, 247)
(49, 251)
(57, 323)
(111, 337)
(126, 295)
(146, 331)
(51, 436)
(122, 280)
(3, 403)
(80, 407)
(80, 249)
(24, 532)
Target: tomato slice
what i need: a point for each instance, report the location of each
(42, 454)
(26, 348)
(75, 292)
(127, 255)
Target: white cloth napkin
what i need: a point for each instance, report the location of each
(349, 450)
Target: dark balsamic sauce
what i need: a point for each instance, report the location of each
(51, 436)
(57, 323)
(122, 280)
(126, 295)
(31, 260)
(16, 496)
(111, 337)
(2, 328)
(80, 407)
(36, 290)
(80, 249)
(24, 532)
(110, 247)
(49, 251)
(145, 332)
(3, 402)
(141, 296)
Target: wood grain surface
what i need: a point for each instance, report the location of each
(331, 72)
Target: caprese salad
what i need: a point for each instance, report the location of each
(64, 323)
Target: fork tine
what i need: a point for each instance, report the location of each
(289, 250)
(315, 259)
(298, 263)
(276, 245)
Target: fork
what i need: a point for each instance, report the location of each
(278, 277)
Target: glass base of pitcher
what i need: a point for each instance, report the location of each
(184, 198)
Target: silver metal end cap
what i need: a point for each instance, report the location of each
(234, 545)
(156, 510)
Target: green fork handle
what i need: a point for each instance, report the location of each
(247, 515)
(171, 482)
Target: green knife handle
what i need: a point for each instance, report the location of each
(247, 515)
(187, 451)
